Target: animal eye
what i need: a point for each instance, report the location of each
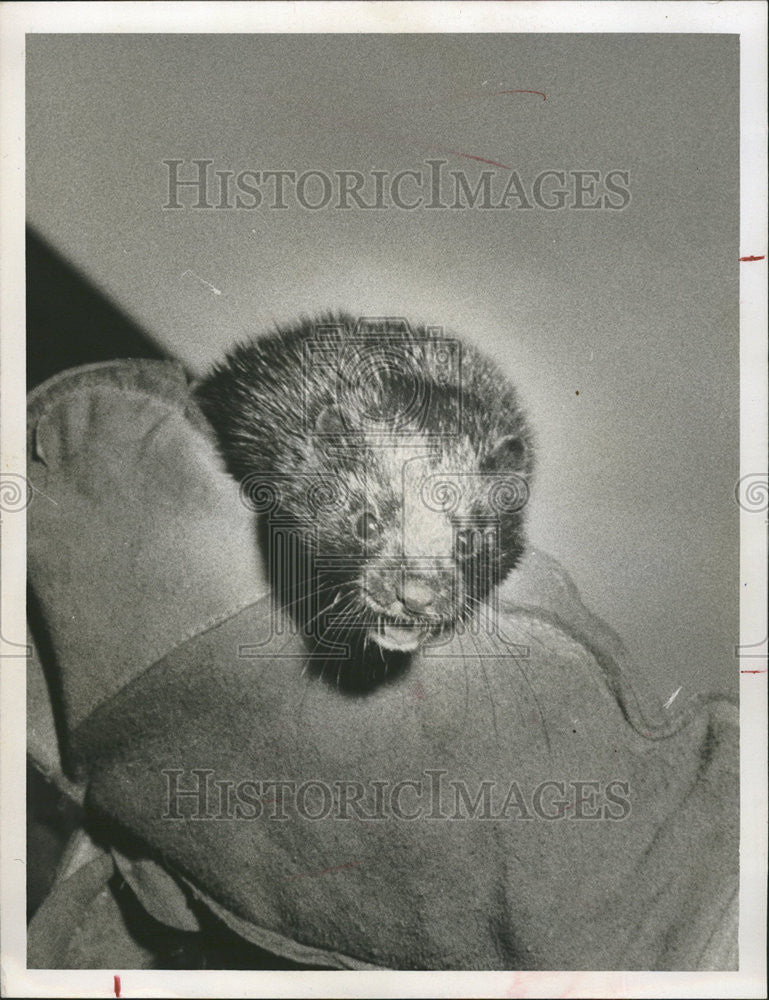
(367, 528)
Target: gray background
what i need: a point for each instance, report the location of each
(636, 311)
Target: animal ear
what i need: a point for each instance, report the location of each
(508, 452)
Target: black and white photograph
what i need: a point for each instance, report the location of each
(384, 491)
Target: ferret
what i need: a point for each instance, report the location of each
(390, 463)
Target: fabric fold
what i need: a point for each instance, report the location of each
(508, 801)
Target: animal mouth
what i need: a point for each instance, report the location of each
(400, 633)
(404, 638)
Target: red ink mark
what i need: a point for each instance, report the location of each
(401, 138)
(469, 156)
(116, 985)
(544, 98)
(753, 671)
(324, 871)
(763, 257)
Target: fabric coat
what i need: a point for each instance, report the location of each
(507, 802)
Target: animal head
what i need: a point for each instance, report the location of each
(400, 459)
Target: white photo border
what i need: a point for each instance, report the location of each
(748, 19)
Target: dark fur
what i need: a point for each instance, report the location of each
(313, 412)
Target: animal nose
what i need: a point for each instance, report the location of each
(415, 596)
